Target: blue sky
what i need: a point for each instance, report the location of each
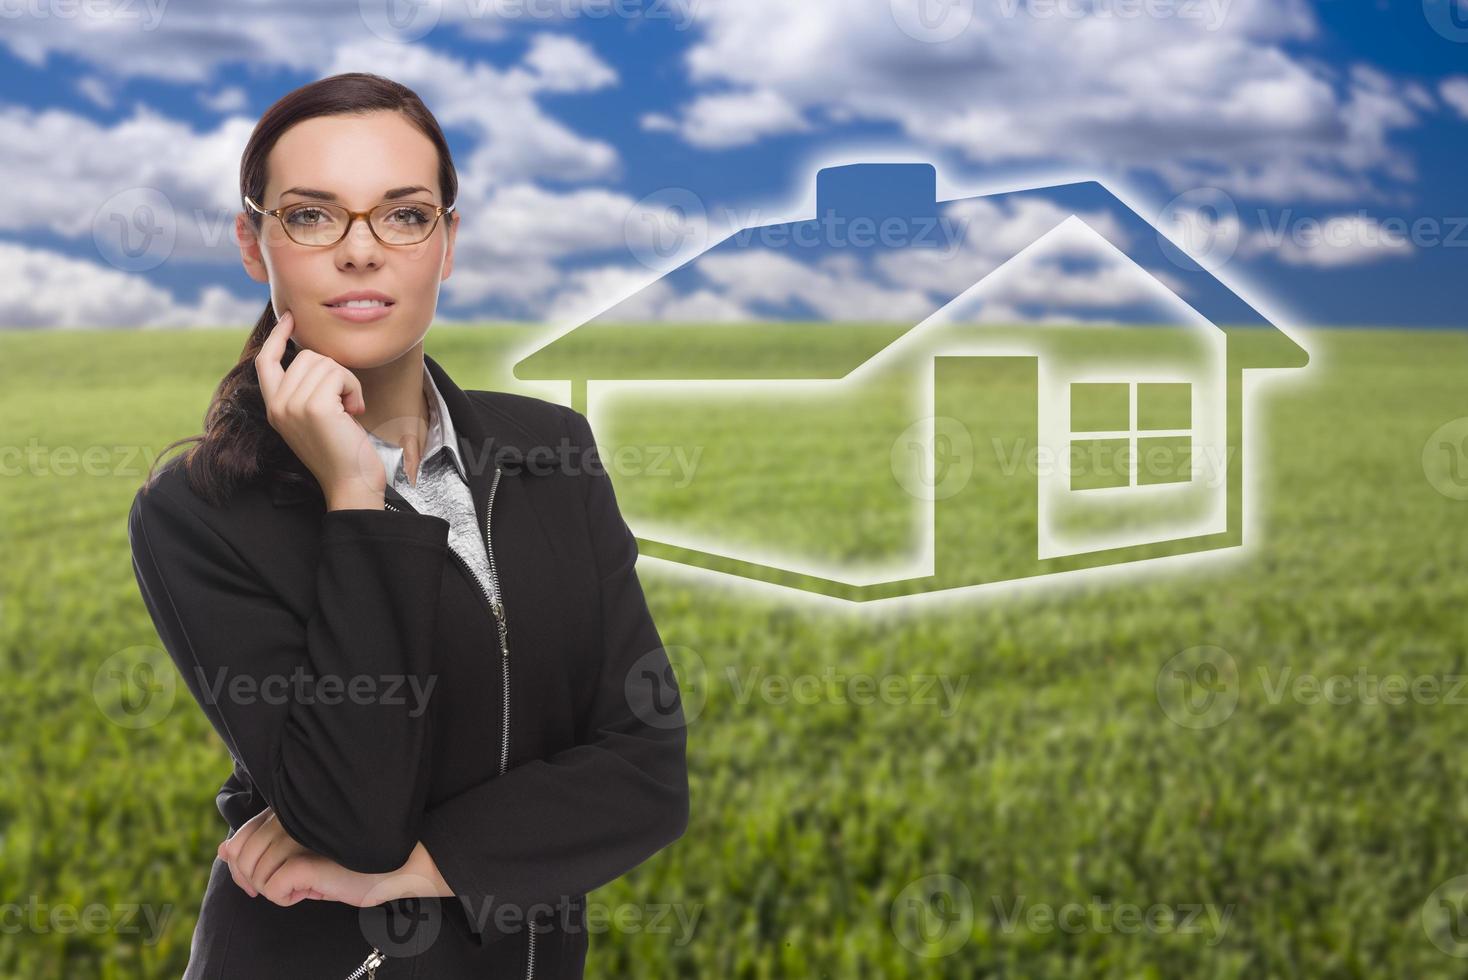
(575, 123)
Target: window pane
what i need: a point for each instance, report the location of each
(1099, 463)
(1164, 406)
(1165, 459)
(1100, 407)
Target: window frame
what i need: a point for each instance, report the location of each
(1134, 435)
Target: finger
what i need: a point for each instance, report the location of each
(334, 389)
(255, 848)
(267, 361)
(296, 875)
(303, 364)
(351, 392)
(240, 880)
(231, 848)
(275, 855)
(287, 880)
(237, 840)
(302, 394)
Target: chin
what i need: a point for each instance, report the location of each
(354, 346)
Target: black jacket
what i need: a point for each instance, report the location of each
(255, 599)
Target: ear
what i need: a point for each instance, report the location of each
(254, 261)
(448, 258)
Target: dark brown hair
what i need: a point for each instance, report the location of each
(238, 443)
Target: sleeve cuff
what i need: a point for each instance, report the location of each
(369, 522)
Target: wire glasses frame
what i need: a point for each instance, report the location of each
(439, 210)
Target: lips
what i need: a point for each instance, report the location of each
(364, 299)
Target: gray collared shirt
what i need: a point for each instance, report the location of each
(443, 485)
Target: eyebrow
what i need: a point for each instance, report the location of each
(391, 195)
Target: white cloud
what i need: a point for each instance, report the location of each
(196, 174)
(1343, 240)
(511, 239)
(986, 233)
(229, 99)
(511, 233)
(42, 288)
(1076, 274)
(1056, 286)
(1228, 106)
(96, 90)
(704, 306)
(588, 292)
(198, 170)
(517, 140)
(181, 42)
(733, 119)
(658, 122)
(592, 292)
(523, 219)
(565, 64)
(839, 292)
(190, 43)
(1455, 93)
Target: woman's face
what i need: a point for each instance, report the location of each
(360, 160)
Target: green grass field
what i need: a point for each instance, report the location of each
(1308, 833)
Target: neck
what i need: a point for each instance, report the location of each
(397, 407)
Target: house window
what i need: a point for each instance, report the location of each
(1130, 434)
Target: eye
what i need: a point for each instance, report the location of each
(307, 216)
(408, 214)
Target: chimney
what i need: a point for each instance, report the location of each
(877, 191)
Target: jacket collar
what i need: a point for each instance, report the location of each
(483, 432)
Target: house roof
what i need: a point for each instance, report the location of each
(621, 344)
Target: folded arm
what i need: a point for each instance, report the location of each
(299, 702)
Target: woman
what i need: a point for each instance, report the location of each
(409, 610)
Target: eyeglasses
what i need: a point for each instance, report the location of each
(393, 223)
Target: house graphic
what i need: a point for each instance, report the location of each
(1054, 383)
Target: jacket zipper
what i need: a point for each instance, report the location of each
(497, 606)
(369, 966)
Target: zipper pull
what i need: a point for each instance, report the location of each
(499, 616)
(369, 965)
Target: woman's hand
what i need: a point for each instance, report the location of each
(309, 875)
(312, 404)
(265, 860)
(258, 849)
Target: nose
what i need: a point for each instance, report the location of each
(359, 249)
